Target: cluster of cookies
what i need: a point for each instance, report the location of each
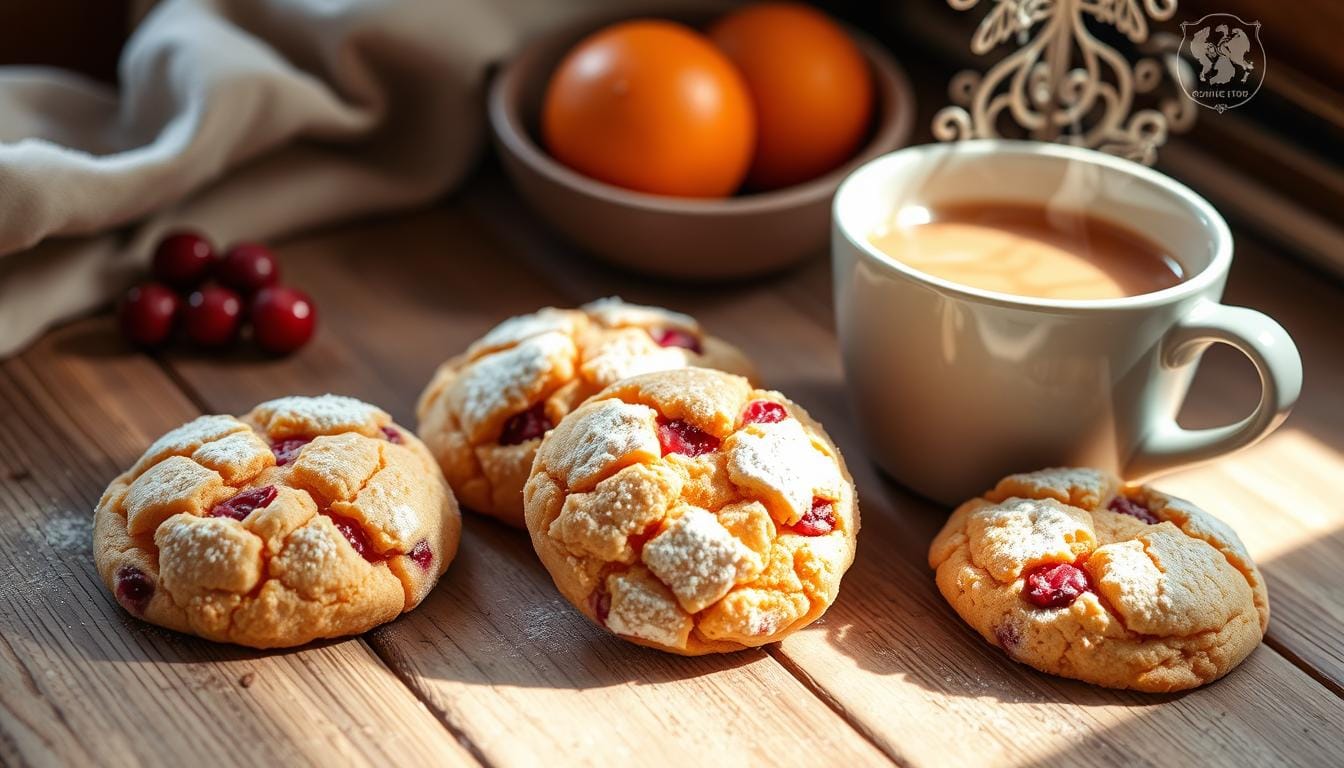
(673, 503)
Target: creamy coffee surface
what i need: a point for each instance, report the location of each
(1028, 250)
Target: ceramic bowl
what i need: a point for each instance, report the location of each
(685, 238)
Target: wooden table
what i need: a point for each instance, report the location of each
(496, 668)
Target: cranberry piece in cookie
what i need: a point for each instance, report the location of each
(393, 436)
(677, 436)
(675, 337)
(422, 555)
(133, 589)
(285, 450)
(764, 412)
(1127, 506)
(817, 521)
(354, 533)
(528, 425)
(1054, 585)
(240, 505)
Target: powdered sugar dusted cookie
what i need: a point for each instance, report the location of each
(1126, 587)
(309, 517)
(484, 412)
(687, 511)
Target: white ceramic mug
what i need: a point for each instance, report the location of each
(956, 386)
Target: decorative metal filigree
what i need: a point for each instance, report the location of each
(1063, 84)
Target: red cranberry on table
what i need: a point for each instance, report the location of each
(247, 268)
(183, 259)
(282, 318)
(148, 314)
(212, 316)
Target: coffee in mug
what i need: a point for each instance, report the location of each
(1027, 250)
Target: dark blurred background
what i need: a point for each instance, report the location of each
(1275, 165)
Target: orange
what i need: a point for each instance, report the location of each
(811, 86)
(651, 106)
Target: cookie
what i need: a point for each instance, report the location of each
(484, 412)
(309, 517)
(1074, 574)
(685, 510)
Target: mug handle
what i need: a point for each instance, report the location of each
(1276, 359)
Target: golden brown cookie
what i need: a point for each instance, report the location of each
(1125, 587)
(484, 412)
(687, 511)
(309, 517)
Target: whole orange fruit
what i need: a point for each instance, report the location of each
(811, 85)
(651, 106)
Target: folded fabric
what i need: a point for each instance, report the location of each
(244, 119)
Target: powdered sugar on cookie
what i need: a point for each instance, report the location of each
(612, 312)
(779, 462)
(505, 381)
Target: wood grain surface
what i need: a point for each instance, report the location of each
(495, 667)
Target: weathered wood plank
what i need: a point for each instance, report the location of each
(81, 682)
(495, 651)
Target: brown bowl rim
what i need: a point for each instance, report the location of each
(891, 133)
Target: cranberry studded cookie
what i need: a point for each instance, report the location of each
(309, 517)
(484, 412)
(1125, 587)
(686, 511)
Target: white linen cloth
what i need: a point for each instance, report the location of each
(244, 119)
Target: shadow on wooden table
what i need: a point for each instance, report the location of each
(496, 620)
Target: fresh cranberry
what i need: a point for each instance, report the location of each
(764, 412)
(1054, 585)
(422, 554)
(354, 534)
(282, 318)
(1127, 506)
(601, 604)
(675, 337)
(676, 436)
(817, 521)
(285, 450)
(183, 259)
(392, 435)
(212, 316)
(148, 313)
(247, 268)
(133, 589)
(528, 425)
(240, 505)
